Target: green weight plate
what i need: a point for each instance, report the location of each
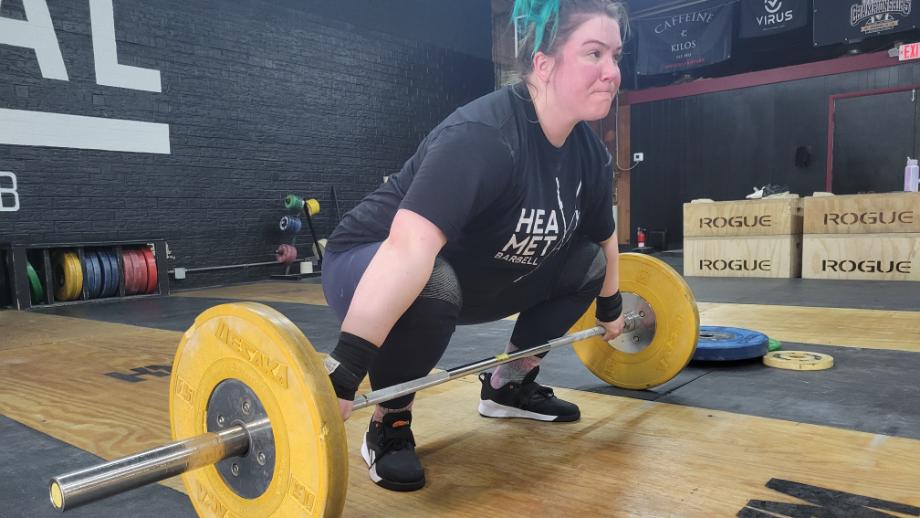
(292, 201)
(38, 291)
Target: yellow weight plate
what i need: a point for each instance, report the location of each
(798, 360)
(671, 328)
(68, 276)
(76, 288)
(60, 274)
(261, 348)
(312, 206)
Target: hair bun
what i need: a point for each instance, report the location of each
(539, 14)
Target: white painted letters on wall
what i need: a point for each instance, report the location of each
(36, 32)
(35, 128)
(108, 71)
(31, 128)
(7, 193)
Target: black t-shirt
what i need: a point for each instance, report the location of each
(504, 196)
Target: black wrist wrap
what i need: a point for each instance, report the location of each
(609, 308)
(347, 364)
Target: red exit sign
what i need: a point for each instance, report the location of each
(909, 51)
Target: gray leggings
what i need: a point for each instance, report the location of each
(549, 301)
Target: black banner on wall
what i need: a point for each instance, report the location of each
(691, 38)
(766, 17)
(845, 21)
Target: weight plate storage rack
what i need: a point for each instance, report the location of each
(23, 287)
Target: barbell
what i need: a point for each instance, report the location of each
(256, 422)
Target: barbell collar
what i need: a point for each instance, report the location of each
(97, 482)
(631, 321)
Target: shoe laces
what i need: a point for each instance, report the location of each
(533, 391)
(394, 439)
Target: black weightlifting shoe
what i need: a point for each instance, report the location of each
(389, 451)
(526, 399)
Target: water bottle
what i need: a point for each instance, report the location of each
(911, 175)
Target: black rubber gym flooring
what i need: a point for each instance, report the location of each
(893, 295)
(23, 491)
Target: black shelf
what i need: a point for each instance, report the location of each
(16, 256)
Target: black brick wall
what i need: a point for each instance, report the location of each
(721, 145)
(263, 98)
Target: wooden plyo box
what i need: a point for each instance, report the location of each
(877, 257)
(863, 213)
(770, 217)
(753, 256)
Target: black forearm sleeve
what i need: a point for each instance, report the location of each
(347, 364)
(609, 308)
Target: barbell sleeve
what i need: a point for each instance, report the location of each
(87, 485)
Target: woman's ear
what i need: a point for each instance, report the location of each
(543, 66)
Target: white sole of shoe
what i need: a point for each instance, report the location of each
(372, 468)
(489, 408)
(368, 455)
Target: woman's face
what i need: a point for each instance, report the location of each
(586, 72)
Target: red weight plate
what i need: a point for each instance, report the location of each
(286, 254)
(130, 279)
(132, 282)
(140, 271)
(151, 270)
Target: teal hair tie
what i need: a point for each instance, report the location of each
(539, 13)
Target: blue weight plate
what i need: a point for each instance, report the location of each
(94, 273)
(717, 343)
(89, 274)
(116, 266)
(118, 271)
(105, 272)
(100, 265)
(97, 289)
(110, 273)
